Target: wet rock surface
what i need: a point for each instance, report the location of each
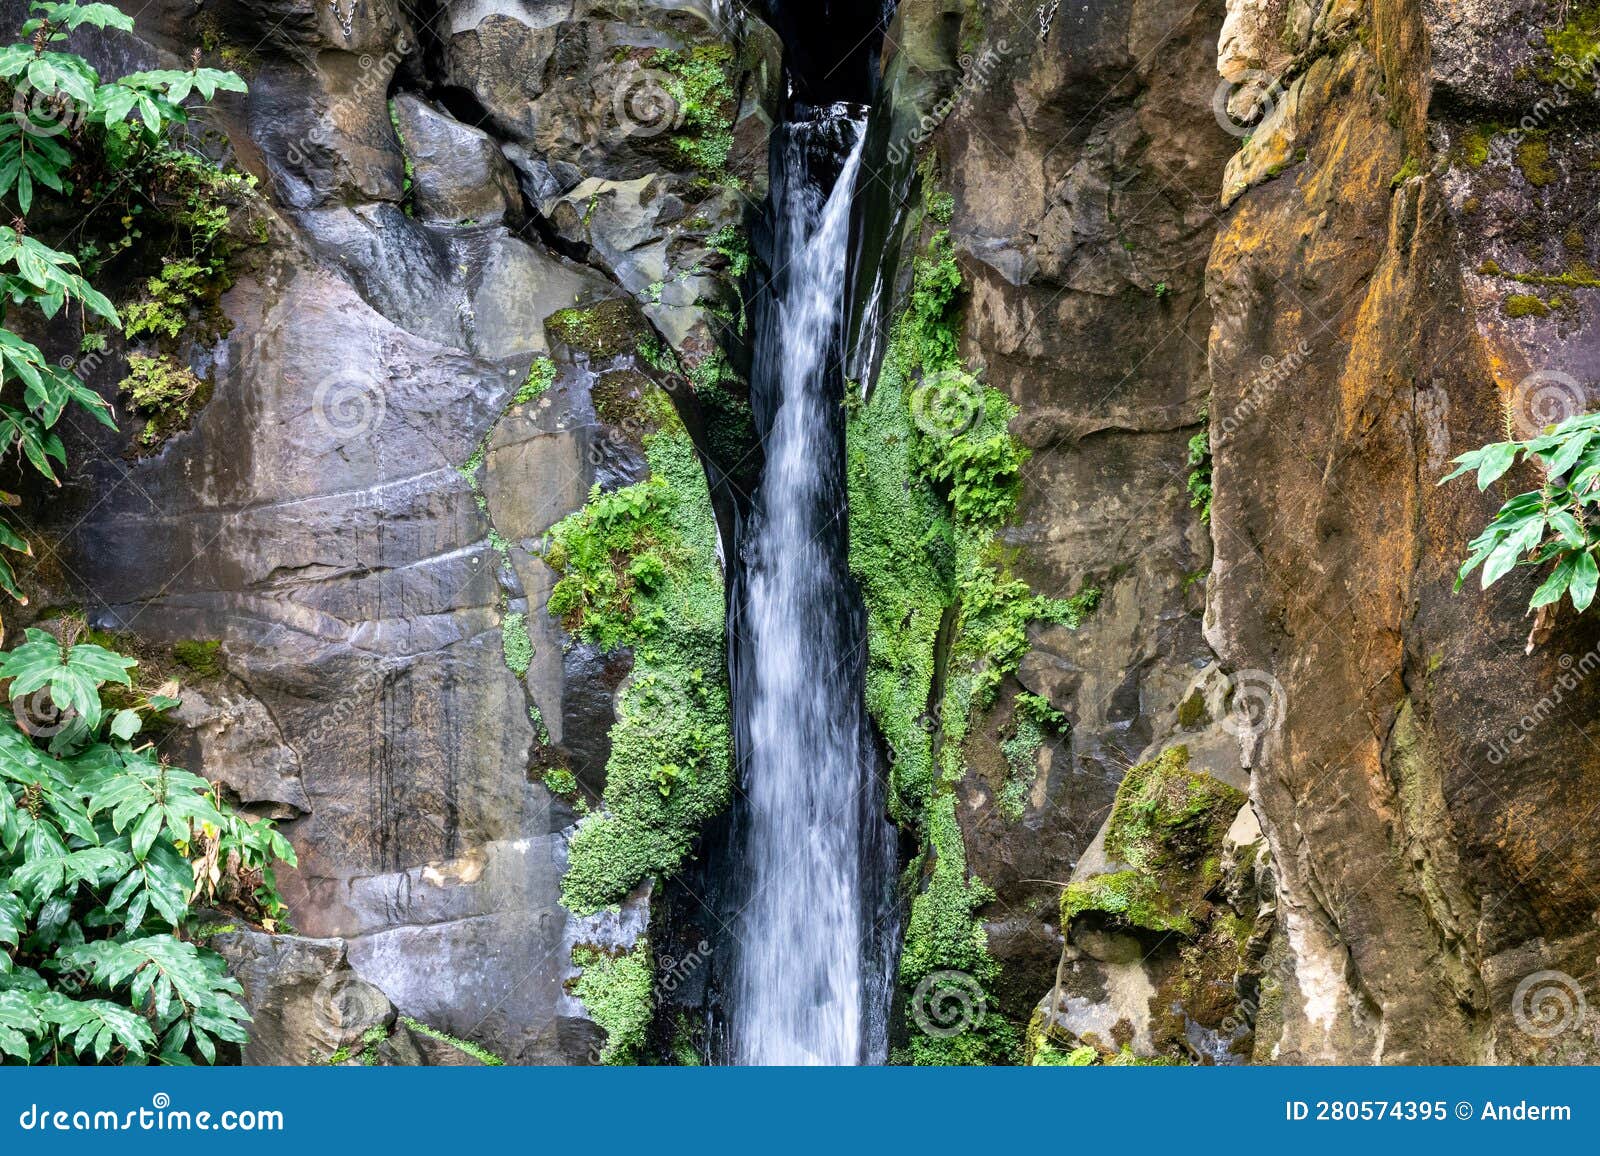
(355, 514)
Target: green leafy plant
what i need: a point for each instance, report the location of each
(61, 108)
(161, 390)
(103, 849)
(1551, 526)
(1199, 483)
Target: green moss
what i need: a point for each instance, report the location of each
(685, 1051)
(602, 330)
(1199, 480)
(1574, 48)
(560, 781)
(202, 656)
(1411, 168)
(938, 596)
(1578, 275)
(1130, 897)
(536, 717)
(1167, 825)
(1524, 305)
(515, 643)
(733, 243)
(729, 421)
(409, 179)
(638, 568)
(1533, 159)
(1166, 813)
(1472, 148)
(617, 990)
(541, 375)
(943, 933)
(477, 1051)
(1047, 1055)
(1021, 752)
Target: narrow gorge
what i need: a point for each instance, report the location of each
(820, 533)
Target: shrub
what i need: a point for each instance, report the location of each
(103, 849)
(1549, 526)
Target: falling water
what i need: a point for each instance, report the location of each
(805, 991)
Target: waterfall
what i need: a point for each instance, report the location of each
(811, 979)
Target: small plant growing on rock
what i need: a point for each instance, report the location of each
(104, 847)
(1547, 527)
(63, 112)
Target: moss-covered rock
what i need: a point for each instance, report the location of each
(616, 987)
(1165, 832)
(638, 568)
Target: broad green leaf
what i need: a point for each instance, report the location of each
(1567, 526)
(1553, 587)
(1584, 577)
(1504, 556)
(1496, 460)
(125, 724)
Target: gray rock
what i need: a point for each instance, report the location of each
(458, 172)
(305, 1001)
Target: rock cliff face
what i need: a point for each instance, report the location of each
(1380, 276)
(347, 530)
(1251, 274)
